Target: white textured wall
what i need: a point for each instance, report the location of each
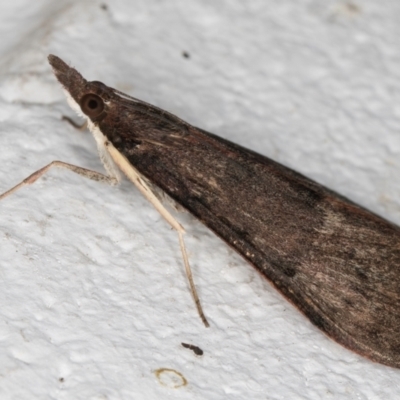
(93, 297)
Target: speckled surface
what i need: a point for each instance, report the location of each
(93, 297)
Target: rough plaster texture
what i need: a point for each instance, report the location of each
(93, 298)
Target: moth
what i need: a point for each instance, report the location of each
(337, 262)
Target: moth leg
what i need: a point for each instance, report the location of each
(87, 173)
(74, 124)
(190, 279)
(134, 176)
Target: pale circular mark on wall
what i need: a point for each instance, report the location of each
(170, 378)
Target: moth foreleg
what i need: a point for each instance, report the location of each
(87, 173)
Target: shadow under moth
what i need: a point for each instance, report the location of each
(337, 262)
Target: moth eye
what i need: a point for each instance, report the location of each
(92, 105)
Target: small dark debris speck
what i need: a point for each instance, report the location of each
(196, 350)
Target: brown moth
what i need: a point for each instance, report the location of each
(338, 263)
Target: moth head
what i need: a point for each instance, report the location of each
(92, 105)
(86, 98)
(94, 99)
